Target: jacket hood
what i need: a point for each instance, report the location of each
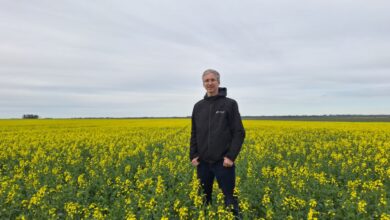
(222, 92)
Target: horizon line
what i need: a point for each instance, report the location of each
(244, 116)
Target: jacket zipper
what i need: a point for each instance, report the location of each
(208, 139)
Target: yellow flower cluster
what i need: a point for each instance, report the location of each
(140, 169)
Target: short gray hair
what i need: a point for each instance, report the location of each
(208, 71)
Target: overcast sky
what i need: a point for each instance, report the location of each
(145, 58)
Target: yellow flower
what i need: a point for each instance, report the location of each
(151, 204)
(131, 216)
(293, 203)
(201, 215)
(382, 200)
(220, 197)
(244, 205)
(353, 195)
(385, 216)
(311, 214)
(266, 200)
(72, 209)
(362, 206)
(81, 181)
(312, 203)
(183, 212)
(36, 198)
(160, 185)
(176, 205)
(67, 176)
(269, 213)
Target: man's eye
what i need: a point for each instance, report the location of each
(209, 80)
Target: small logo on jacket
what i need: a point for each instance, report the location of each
(219, 112)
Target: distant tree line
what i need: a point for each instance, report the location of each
(351, 118)
(30, 116)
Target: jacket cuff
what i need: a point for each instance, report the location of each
(230, 157)
(193, 156)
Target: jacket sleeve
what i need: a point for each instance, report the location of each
(237, 131)
(193, 142)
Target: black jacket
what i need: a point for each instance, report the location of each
(217, 130)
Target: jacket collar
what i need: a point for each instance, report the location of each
(222, 92)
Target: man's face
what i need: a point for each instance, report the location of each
(211, 84)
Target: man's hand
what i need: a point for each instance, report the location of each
(195, 161)
(227, 162)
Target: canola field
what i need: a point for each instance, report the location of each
(140, 169)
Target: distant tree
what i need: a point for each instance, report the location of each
(30, 116)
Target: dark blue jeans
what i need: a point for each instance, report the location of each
(226, 178)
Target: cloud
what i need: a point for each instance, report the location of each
(65, 59)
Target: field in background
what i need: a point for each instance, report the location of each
(139, 169)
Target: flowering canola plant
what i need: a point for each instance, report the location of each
(140, 169)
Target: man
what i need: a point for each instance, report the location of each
(216, 138)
